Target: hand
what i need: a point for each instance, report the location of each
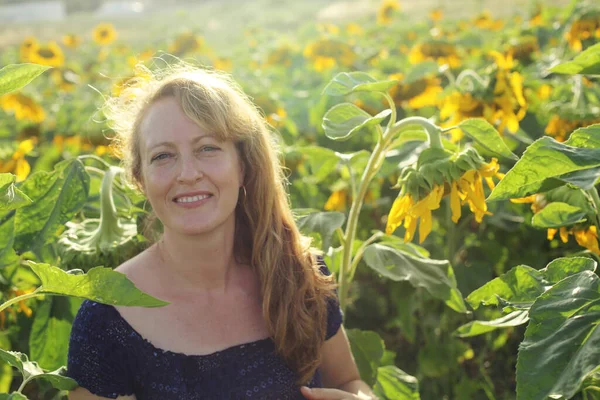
(331, 394)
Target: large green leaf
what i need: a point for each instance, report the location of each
(475, 328)
(15, 76)
(487, 136)
(102, 285)
(522, 284)
(586, 138)
(49, 337)
(324, 223)
(56, 196)
(344, 120)
(587, 62)
(11, 197)
(541, 167)
(572, 196)
(7, 238)
(31, 370)
(562, 341)
(395, 384)
(348, 82)
(367, 349)
(435, 276)
(321, 162)
(12, 396)
(555, 215)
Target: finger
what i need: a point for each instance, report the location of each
(324, 394)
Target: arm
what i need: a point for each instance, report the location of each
(339, 373)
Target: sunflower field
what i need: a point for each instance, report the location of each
(447, 165)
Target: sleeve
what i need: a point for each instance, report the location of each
(97, 357)
(334, 312)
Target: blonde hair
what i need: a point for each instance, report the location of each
(294, 291)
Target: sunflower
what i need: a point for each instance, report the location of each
(28, 45)
(222, 63)
(338, 201)
(587, 27)
(104, 34)
(186, 42)
(436, 14)
(21, 306)
(485, 21)
(71, 40)
(524, 49)
(281, 56)
(417, 94)
(585, 237)
(327, 53)
(560, 127)
(24, 107)
(386, 11)
(509, 105)
(459, 106)
(440, 51)
(17, 164)
(468, 189)
(50, 55)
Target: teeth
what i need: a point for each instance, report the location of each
(191, 198)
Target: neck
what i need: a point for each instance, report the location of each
(200, 262)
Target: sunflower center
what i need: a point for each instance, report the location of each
(46, 53)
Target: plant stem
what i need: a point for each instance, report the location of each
(25, 381)
(596, 201)
(17, 299)
(375, 162)
(361, 250)
(472, 76)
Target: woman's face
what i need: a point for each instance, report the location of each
(190, 178)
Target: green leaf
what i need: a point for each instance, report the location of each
(7, 238)
(585, 138)
(555, 215)
(102, 285)
(475, 328)
(393, 383)
(572, 196)
(435, 276)
(349, 82)
(367, 349)
(587, 63)
(346, 119)
(522, 284)
(421, 70)
(31, 370)
(11, 197)
(541, 167)
(12, 396)
(320, 161)
(562, 341)
(323, 222)
(15, 76)
(56, 196)
(49, 337)
(487, 136)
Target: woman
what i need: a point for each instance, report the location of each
(252, 312)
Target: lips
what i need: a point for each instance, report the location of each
(191, 197)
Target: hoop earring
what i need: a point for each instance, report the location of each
(245, 193)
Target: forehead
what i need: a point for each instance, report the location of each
(165, 120)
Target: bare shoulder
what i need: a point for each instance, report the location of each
(136, 268)
(84, 394)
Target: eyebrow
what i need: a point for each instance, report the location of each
(170, 144)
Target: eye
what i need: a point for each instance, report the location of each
(208, 149)
(160, 156)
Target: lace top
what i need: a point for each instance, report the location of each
(108, 357)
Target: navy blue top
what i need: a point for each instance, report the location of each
(108, 357)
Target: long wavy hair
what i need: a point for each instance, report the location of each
(294, 291)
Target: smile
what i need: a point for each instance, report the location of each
(191, 199)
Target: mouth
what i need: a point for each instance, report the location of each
(191, 198)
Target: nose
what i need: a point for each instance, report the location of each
(189, 171)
